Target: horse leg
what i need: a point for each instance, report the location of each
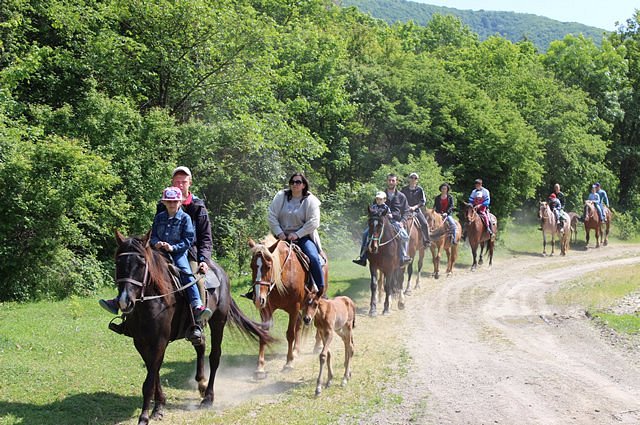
(323, 358)
(482, 248)
(217, 332)
(294, 318)
(200, 379)
(373, 287)
(420, 263)
(347, 338)
(260, 373)
(153, 357)
(388, 285)
(474, 249)
(553, 242)
(435, 258)
(409, 274)
(490, 245)
(606, 235)
(399, 275)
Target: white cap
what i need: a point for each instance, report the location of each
(181, 169)
(413, 175)
(381, 195)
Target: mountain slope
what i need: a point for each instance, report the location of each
(510, 25)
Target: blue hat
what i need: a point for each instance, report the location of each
(597, 184)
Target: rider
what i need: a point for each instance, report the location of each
(559, 195)
(379, 208)
(480, 198)
(604, 200)
(399, 208)
(416, 199)
(556, 207)
(443, 205)
(294, 215)
(595, 197)
(200, 251)
(173, 232)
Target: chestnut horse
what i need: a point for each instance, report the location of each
(337, 315)
(275, 265)
(157, 314)
(592, 221)
(384, 261)
(415, 247)
(441, 240)
(477, 235)
(549, 225)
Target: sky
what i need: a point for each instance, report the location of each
(597, 13)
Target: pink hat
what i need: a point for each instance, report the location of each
(553, 195)
(172, 194)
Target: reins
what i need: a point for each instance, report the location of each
(145, 281)
(272, 283)
(379, 238)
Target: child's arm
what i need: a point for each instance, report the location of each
(186, 238)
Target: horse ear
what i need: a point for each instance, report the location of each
(251, 242)
(146, 237)
(119, 237)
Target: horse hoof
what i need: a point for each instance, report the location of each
(372, 313)
(407, 292)
(318, 391)
(287, 368)
(436, 276)
(386, 313)
(259, 375)
(400, 306)
(206, 403)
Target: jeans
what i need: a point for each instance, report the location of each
(311, 250)
(193, 295)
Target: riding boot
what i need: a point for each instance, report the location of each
(426, 239)
(249, 294)
(405, 258)
(361, 260)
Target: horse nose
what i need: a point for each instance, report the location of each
(306, 320)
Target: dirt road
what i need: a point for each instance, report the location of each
(488, 349)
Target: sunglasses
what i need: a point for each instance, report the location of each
(295, 182)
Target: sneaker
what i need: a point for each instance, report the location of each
(426, 244)
(110, 305)
(360, 261)
(202, 314)
(406, 260)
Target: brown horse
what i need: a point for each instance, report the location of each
(157, 314)
(337, 315)
(415, 247)
(573, 226)
(549, 225)
(592, 221)
(278, 266)
(477, 234)
(441, 240)
(384, 261)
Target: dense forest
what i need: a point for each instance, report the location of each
(541, 31)
(100, 99)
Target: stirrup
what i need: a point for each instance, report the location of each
(116, 327)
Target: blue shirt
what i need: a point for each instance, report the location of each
(594, 197)
(486, 197)
(177, 231)
(603, 197)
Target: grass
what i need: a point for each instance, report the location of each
(59, 364)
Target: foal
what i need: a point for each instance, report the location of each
(339, 315)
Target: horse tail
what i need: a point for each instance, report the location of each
(248, 327)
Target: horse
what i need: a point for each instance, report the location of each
(415, 247)
(441, 240)
(602, 236)
(573, 227)
(549, 225)
(337, 315)
(384, 261)
(477, 235)
(156, 315)
(277, 264)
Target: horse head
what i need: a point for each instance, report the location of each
(543, 211)
(266, 271)
(138, 269)
(310, 305)
(469, 212)
(376, 229)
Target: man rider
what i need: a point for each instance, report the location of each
(399, 207)
(604, 200)
(480, 198)
(416, 199)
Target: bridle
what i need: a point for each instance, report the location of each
(272, 282)
(380, 236)
(145, 281)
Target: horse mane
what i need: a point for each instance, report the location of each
(156, 263)
(271, 252)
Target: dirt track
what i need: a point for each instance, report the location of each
(488, 349)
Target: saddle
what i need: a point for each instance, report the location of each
(304, 261)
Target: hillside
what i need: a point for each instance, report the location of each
(513, 26)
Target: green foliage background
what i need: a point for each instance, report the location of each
(100, 99)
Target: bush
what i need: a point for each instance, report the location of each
(626, 225)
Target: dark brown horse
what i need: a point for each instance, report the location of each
(384, 262)
(441, 240)
(279, 280)
(415, 247)
(592, 221)
(477, 235)
(157, 313)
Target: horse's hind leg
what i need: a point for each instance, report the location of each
(347, 338)
(420, 264)
(217, 332)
